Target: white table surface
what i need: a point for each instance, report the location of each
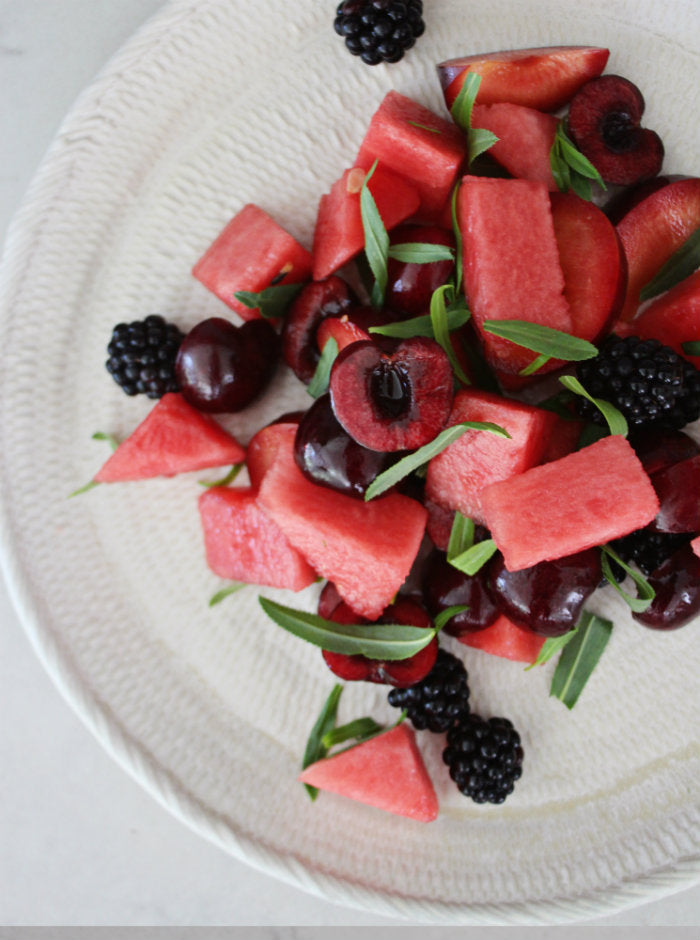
(80, 842)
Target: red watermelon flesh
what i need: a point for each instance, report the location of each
(342, 330)
(262, 448)
(695, 545)
(365, 548)
(173, 438)
(582, 500)
(525, 138)
(458, 475)
(511, 262)
(339, 235)
(503, 638)
(412, 141)
(673, 318)
(250, 253)
(563, 438)
(387, 772)
(243, 544)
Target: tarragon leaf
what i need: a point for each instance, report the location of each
(614, 417)
(315, 749)
(580, 657)
(272, 302)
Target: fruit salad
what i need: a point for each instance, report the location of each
(493, 433)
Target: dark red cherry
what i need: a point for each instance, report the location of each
(548, 597)
(326, 454)
(328, 600)
(659, 449)
(222, 367)
(320, 299)
(677, 586)
(400, 673)
(678, 489)
(410, 286)
(444, 586)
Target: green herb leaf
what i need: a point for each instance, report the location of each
(315, 750)
(461, 535)
(474, 558)
(458, 238)
(225, 480)
(90, 485)
(319, 383)
(645, 592)
(408, 464)
(422, 326)
(542, 339)
(480, 140)
(679, 266)
(225, 592)
(570, 169)
(103, 436)
(270, 303)
(461, 109)
(580, 657)
(447, 614)
(424, 127)
(441, 330)
(376, 240)
(590, 434)
(361, 729)
(536, 364)
(377, 641)
(691, 347)
(615, 419)
(551, 646)
(420, 252)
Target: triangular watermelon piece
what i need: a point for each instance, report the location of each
(387, 772)
(525, 138)
(503, 638)
(173, 438)
(339, 234)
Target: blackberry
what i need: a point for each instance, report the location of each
(485, 757)
(437, 700)
(651, 385)
(649, 549)
(379, 30)
(142, 356)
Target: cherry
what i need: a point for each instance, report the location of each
(677, 586)
(678, 489)
(658, 449)
(548, 597)
(392, 400)
(444, 586)
(410, 286)
(221, 367)
(326, 454)
(316, 301)
(399, 673)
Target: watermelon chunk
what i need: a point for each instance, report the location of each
(262, 448)
(582, 500)
(457, 476)
(242, 543)
(342, 330)
(525, 138)
(695, 545)
(503, 638)
(173, 438)
(250, 253)
(387, 772)
(365, 548)
(412, 141)
(339, 235)
(511, 262)
(673, 318)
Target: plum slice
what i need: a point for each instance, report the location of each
(604, 123)
(392, 399)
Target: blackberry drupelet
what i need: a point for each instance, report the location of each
(437, 700)
(647, 549)
(651, 385)
(484, 757)
(142, 356)
(379, 30)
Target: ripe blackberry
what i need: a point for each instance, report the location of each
(485, 757)
(437, 700)
(379, 30)
(650, 384)
(647, 549)
(142, 356)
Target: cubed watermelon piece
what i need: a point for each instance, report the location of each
(173, 438)
(510, 261)
(525, 138)
(365, 548)
(251, 253)
(411, 140)
(387, 772)
(439, 524)
(262, 448)
(503, 638)
(457, 476)
(563, 438)
(545, 78)
(673, 318)
(339, 234)
(582, 500)
(242, 543)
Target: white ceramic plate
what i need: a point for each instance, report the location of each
(211, 106)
